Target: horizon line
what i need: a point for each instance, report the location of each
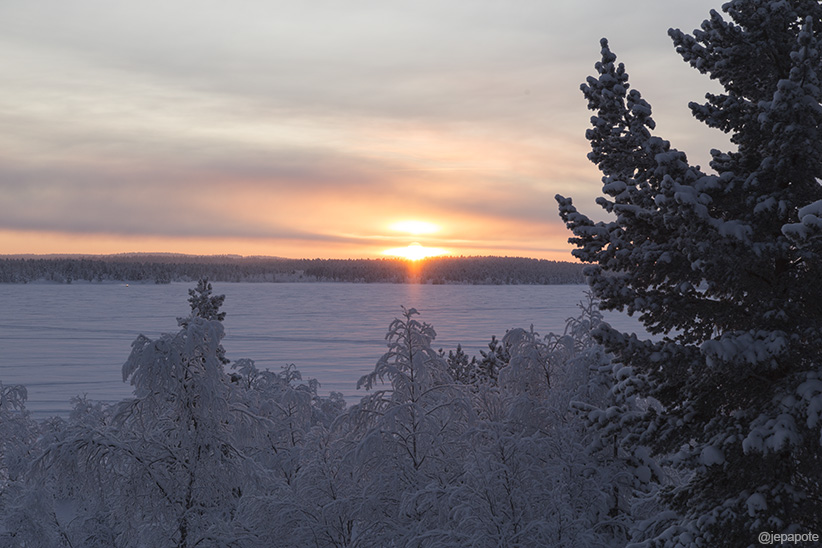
(235, 256)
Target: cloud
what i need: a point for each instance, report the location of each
(316, 122)
(458, 60)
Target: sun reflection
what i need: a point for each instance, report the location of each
(415, 252)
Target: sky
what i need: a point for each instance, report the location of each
(318, 129)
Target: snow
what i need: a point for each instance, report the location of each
(63, 340)
(756, 503)
(811, 393)
(810, 222)
(746, 347)
(711, 456)
(734, 228)
(771, 434)
(264, 446)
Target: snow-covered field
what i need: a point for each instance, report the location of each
(66, 340)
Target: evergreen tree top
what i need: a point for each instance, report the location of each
(203, 303)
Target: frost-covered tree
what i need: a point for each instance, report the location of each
(482, 372)
(532, 473)
(725, 266)
(18, 434)
(205, 305)
(460, 367)
(288, 409)
(195, 458)
(168, 467)
(491, 362)
(306, 500)
(408, 434)
(423, 403)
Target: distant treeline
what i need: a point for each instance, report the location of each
(140, 268)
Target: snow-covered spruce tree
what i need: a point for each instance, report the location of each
(726, 266)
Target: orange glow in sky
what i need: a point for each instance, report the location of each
(415, 227)
(415, 251)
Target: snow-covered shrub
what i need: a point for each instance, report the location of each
(18, 434)
(161, 469)
(409, 434)
(201, 457)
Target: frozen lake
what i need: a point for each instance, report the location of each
(66, 340)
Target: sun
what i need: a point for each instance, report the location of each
(415, 252)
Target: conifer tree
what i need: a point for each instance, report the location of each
(203, 303)
(460, 368)
(726, 267)
(497, 357)
(207, 306)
